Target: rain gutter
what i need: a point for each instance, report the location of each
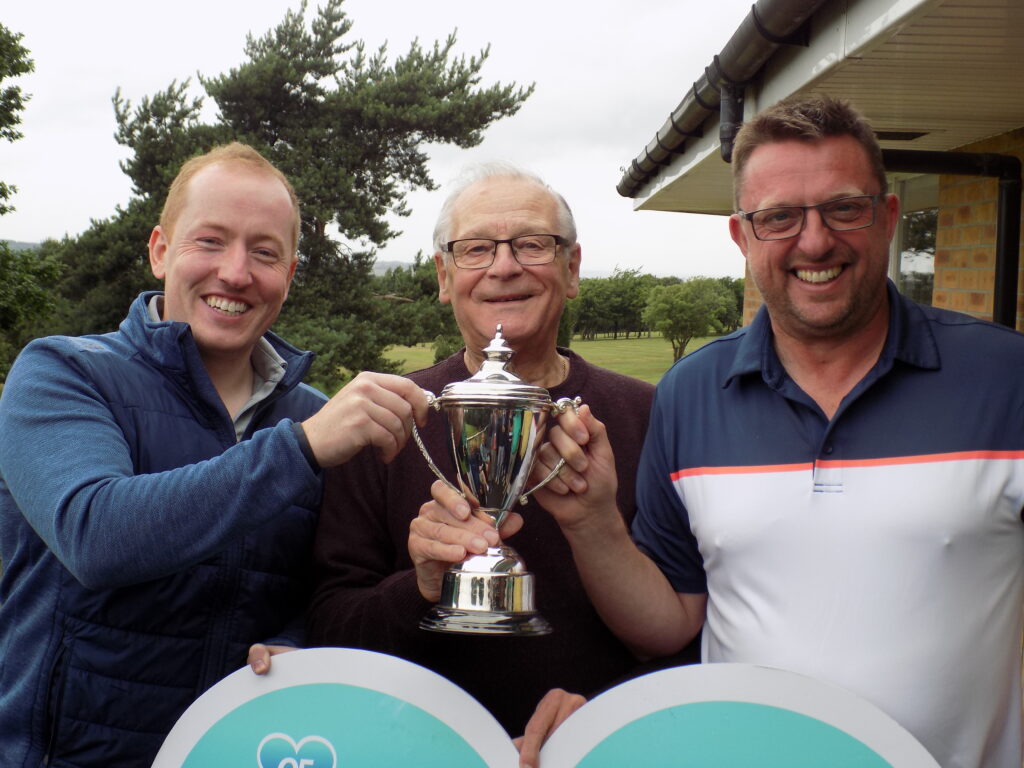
(769, 25)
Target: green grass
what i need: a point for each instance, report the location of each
(644, 358)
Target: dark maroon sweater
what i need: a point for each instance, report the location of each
(366, 594)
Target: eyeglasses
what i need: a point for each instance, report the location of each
(841, 215)
(528, 250)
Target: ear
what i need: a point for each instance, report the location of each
(442, 278)
(158, 246)
(738, 233)
(573, 264)
(892, 210)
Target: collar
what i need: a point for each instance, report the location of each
(910, 340)
(266, 362)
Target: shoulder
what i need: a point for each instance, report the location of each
(94, 351)
(960, 336)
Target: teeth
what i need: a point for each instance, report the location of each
(224, 305)
(821, 276)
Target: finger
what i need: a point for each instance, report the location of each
(259, 658)
(569, 448)
(512, 525)
(552, 710)
(439, 541)
(405, 389)
(451, 500)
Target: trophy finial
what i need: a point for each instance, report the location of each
(496, 357)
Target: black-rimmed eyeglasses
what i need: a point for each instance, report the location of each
(528, 250)
(841, 215)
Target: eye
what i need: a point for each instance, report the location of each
(777, 218)
(265, 254)
(529, 244)
(845, 210)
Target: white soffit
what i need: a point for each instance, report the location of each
(952, 69)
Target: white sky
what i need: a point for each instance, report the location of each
(607, 73)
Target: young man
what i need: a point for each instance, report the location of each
(835, 489)
(506, 252)
(159, 484)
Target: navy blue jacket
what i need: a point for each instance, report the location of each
(144, 548)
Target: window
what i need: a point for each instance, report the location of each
(916, 275)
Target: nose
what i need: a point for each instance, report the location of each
(505, 263)
(234, 267)
(815, 238)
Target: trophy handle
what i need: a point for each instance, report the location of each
(433, 402)
(560, 406)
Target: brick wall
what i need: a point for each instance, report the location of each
(965, 248)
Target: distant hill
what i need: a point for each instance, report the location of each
(380, 267)
(17, 245)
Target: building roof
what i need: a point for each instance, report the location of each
(929, 74)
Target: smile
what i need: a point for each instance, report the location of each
(226, 306)
(500, 299)
(818, 276)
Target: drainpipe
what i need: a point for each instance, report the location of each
(1007, 169)
(769, 25)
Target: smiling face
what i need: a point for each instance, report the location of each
(527, 301)
(819, 284)
(227, 260)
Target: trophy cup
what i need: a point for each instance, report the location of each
(496, 423)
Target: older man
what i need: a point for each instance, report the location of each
(506, 252)
(836, 489)
(159, 485)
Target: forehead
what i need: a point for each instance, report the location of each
(236, 193)
(798, 172)
(504, 206)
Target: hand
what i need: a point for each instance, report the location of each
(259, 656)
(586, 486)
(375, 409)
(552, 711)
(445, 532)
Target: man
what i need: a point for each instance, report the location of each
(836, 489)
(506, 252)
(159, 484)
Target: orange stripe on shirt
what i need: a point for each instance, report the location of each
(696, 471)
(928, 458)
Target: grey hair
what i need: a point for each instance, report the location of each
(474, 173)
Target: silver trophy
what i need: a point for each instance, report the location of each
(496, 423)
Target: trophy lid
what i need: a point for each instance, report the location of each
(494, 384)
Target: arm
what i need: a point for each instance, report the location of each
(68, 463)
(614, 571)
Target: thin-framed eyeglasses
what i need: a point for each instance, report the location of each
(528, 250)
(840, 215)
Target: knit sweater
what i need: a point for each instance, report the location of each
(366, 594)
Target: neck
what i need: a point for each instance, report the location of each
(233, 380)
(828, 368)
(545, 370)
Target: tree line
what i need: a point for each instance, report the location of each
(627, 304)
(349, 128)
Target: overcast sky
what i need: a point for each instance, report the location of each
(607, 76)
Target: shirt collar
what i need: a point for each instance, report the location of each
(910, 340)
(266, 362)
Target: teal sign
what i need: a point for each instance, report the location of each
(729, 734)
(330, 725)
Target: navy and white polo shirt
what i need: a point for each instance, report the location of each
(882, 550)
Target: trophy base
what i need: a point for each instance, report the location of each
(484, 622)
(487, 594)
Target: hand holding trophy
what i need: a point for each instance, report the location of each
(496, 423)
